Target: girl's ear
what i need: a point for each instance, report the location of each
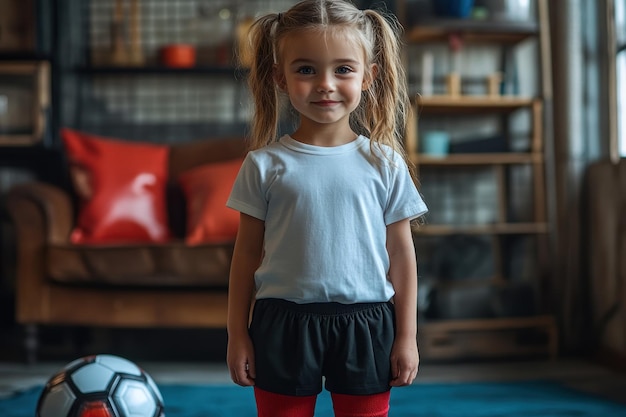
(279, 78)
(369, 77)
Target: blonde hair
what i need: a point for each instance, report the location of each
(384, 107)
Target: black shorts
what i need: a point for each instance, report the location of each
(298, 344)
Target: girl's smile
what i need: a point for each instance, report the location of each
(325, 103)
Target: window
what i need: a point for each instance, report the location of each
(620, 62)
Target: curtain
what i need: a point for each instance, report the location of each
(581, 137)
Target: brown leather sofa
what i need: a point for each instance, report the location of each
(127, 285)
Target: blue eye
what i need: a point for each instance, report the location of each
(344, 70)
(305, 70)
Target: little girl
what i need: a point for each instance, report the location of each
(324, 244)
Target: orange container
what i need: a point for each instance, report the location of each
(178, 56)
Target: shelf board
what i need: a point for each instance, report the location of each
(18, 140)
(487, 229)
(472, 104)
(23, 56)
(500, 323)
(36, 155)
(500, 158)
(160, 70)
(472, 31)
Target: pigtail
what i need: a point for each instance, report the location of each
(386, 103)
(264, 91)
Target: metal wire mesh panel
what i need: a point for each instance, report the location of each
(150, 101)
(209, 25)
(163, 99)
(460, 199)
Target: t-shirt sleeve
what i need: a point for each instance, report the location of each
(247, 195)
(404, 200)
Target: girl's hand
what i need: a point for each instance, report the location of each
(246, 258)
(404, 362)
(240, 360)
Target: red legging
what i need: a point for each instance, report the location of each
(270, 404)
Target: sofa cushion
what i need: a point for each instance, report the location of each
(172, 264)
(188, 155)
(122, 189)
(206, 190)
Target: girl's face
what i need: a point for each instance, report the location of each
(324, 74)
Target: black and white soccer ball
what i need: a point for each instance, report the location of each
(100, 386)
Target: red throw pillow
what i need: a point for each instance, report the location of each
(121, 186)
(206, 190)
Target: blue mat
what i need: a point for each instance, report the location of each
(510, 399)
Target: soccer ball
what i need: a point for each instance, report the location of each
(100, 386)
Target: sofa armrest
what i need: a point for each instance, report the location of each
(41, 212)
(42, 215)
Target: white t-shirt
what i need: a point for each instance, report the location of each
(325, 211)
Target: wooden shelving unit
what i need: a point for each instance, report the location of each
(489, 336)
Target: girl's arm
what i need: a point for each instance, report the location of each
(403, 276)
(245, 261)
